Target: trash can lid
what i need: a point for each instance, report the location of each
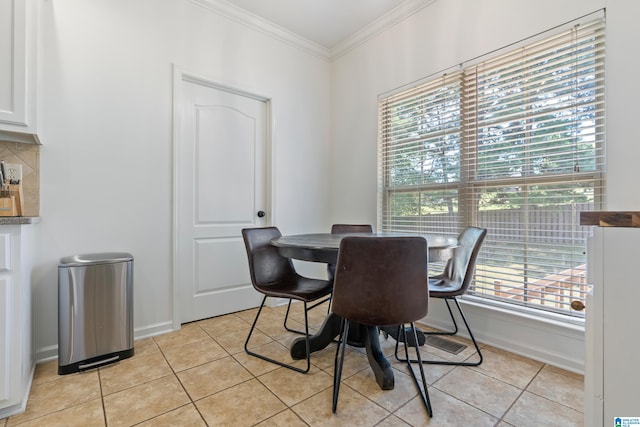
(96, 258)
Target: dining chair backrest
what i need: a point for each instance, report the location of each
(459, 270)
(351, 228)
(344, 229)
(266, 265)
(381, 281)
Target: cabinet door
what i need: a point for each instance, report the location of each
(594, 360)
(6, 350)
(16, 343)
(621, 293)
(18, 71)
(13, 62)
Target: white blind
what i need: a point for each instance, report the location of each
(514, 144)
(421, 135)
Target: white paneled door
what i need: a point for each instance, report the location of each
(221, 188)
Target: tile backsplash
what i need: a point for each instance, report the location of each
(27, 155)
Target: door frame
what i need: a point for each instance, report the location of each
(181, 75)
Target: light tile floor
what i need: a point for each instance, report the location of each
(201, 376)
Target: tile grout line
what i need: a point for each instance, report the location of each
(547, 398)
(104, 408)
(522, 391)
(175, 374)
(255, 377)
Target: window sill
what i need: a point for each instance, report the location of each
(532, 314)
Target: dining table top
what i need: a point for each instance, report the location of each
(323, 247)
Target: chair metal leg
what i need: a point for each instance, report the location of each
(277, 362)
(286, 317)
(448, 362)
(424, 393)
(473, 339)
(401, 334)
(453, 319)
(339, 361)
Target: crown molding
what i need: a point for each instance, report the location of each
(244, 17)
(386, 21)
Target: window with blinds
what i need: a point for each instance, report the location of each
(514, 144)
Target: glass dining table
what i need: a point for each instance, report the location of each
(323, 248)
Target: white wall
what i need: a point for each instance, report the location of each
(106, 109)
(440, 36)
(106, 81)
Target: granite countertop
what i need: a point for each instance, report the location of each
(19, 220)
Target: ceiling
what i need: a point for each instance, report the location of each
(325, 22)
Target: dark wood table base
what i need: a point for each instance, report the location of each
(363, 336)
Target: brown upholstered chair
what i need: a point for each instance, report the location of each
(274, 276)
(380, 281)
(351, 228)
(454, 281)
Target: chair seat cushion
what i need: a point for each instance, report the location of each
(298, 287)
(442, 287)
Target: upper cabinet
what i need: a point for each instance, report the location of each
(18, 79)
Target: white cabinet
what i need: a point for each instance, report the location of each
(612, 371)
(16, 337)
(18, 80)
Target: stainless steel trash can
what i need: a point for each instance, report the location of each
(95, 310)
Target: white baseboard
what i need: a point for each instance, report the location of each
(153, 330)
(45, 354)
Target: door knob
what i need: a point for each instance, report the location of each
(261, 214)
(577, 305)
